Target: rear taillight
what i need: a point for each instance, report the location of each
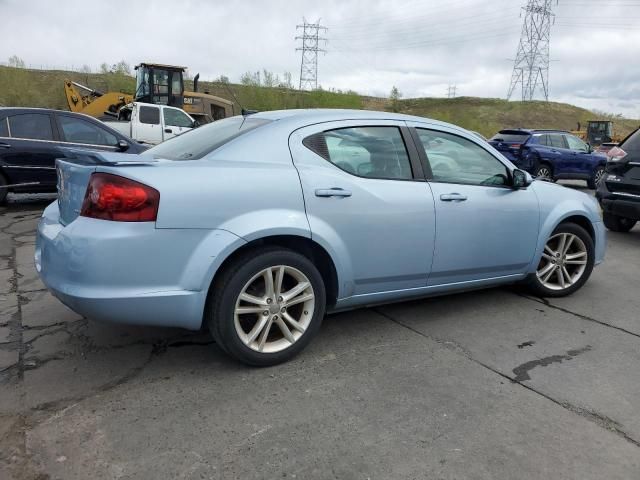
(616, 154)
(515, 146)
(111, 197)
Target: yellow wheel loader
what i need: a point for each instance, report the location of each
(157, 84)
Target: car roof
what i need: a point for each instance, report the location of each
(531, 130)
(44, 110)
(297, 118)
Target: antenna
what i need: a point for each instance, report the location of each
(310, 47)
(531, 66)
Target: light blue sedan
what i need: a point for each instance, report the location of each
(256, 226)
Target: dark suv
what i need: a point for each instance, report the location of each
(551, 154)
(619, 192)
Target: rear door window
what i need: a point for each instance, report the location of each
(370, 152)
(4, 128)
(544, 140)
(150, 115)
(32, 126)
(557, 141)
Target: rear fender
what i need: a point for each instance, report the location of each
(329, 239)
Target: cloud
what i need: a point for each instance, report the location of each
(420, 46)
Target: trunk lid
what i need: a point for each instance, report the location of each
(74, 171)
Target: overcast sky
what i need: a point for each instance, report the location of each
(421, 46)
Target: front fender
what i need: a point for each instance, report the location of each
(553, 214)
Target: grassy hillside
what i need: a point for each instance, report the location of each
(36, 88)
(45, 88)
(489, 115)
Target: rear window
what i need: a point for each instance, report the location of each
(197, 143)
(631, 144)
(515, 137)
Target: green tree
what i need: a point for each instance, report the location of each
(251, 79)
(287, 81)
(121, 68)
(394, 98)
(16, 61)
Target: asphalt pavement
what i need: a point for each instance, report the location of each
(492, 384)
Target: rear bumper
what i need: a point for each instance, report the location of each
(129, 273)
(621, 205)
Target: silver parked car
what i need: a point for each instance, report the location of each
(256, 226)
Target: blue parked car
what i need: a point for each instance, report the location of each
(256, 226)
(551, 154)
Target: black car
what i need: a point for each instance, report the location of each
(619, 192)
(32, 138)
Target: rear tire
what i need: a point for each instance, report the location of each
(616, 223)
(544, 171)
(566, 264)
(596, 178)
(264, 322)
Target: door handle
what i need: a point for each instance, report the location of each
(168, 130)
(452, 197)
(5, 145)
(332, 192)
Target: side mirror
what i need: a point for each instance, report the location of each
(195, 124)
(589, 148)
(520, 179)
(123, 146)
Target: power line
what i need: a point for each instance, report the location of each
(531, 66)
(310, 47)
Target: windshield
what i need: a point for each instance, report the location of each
(197, 143)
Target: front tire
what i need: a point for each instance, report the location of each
(267, 306)
(566, 264)
(616, 223)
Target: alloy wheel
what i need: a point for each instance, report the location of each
(563, 261)
(544, 172)
(599, 176)
(274, 309)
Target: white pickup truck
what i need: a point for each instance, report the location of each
(153, 124)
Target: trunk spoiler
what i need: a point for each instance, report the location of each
(84, 157)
